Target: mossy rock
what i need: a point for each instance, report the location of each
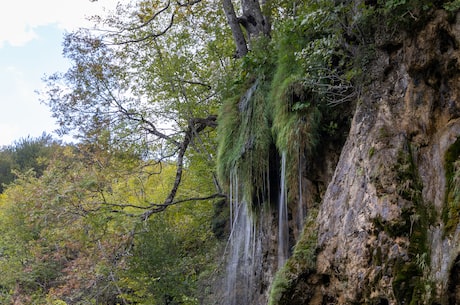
(406, 283)
(291, 281)
(220, 220)
(451, 209)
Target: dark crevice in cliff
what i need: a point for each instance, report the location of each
(454, 283)
(274, 174)
(446, 41)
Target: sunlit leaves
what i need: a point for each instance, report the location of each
(50, 232)
(68, 235)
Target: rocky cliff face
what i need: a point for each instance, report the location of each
(381, 194)
(387, 230)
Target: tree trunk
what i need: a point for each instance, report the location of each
(238, 36)
(253, 20)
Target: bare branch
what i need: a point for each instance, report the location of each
(191, 82)
(195, 126)
(218, 195)
(150, 19)
(160, 205)
(188, 3)
(151, 35)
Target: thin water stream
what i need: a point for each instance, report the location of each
(283, 221)
(244, 260)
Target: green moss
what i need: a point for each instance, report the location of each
(452, 155)
(393, 229)
(244, 140)
(410, 285)
(299, 265)
(377, 257)
(409, 184)
(295, 117)
(280, 284)
(406, 283)
(294, 111)
(304, 255)
(266, 113)
(451, 209)
(286, 110)
(371, 152)
(228, 135)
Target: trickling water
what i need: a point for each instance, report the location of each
(253, 239)
(283, 225)
(245, 100)
(249, 269)
(244, 260)
(301, 210)
(244, 255)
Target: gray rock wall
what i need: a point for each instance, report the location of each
(382, 232)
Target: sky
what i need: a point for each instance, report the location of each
(31, 36)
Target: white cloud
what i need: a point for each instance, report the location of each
(9, 134)
(19, 18)
(25, 57)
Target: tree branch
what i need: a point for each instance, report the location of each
(191, 82)
(151, 35)
(195, 125)
(188, 3)
(159, 205)
(150, 19)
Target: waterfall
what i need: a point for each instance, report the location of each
(255, 246)
(250, 267)
(244, 259)
(283, 225)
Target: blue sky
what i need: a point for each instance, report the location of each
(31, 38)
(21, 71)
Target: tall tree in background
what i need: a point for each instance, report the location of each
(25, 154)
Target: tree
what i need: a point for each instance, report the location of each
(152, 80)
(6, 167)
(105, 97)
(50, 240)
(25, 154)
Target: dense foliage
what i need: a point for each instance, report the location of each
(80, 223)
(66, 235)
(25, 154)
